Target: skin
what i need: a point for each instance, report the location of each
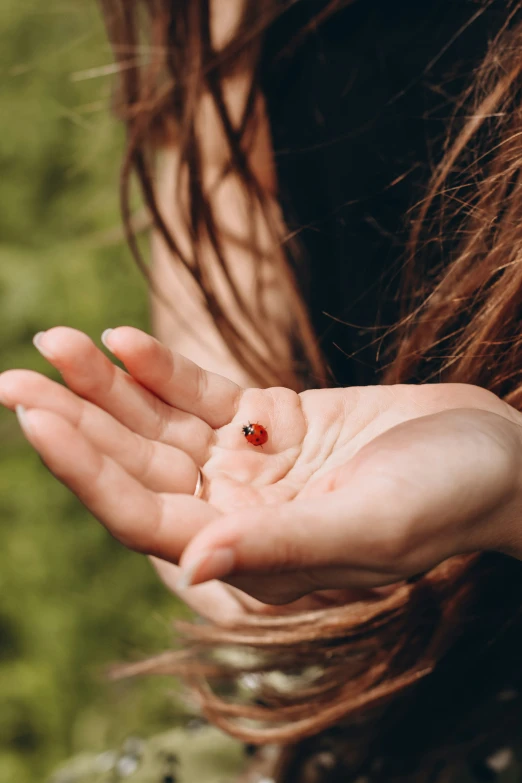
(356, 488)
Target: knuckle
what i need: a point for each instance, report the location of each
(200, 384)
(146, 463)
(163, 421)
(153, 350)
(151, 538)
(288, 552)
(80, 419)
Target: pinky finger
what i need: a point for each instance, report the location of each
(132, 513)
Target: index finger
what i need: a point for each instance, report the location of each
(174, 378)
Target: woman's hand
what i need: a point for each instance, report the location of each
(355, 488)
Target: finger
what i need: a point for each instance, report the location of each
(411, 498)
(224, 605)
(227, 604)
(312, 588)
(90, 374)
(214, 600)
(157, 466)
(173, 378)
(334, 533)
(159, 524)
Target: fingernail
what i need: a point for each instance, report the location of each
(206, 566)
(21, 415)
(104, 338)
(37, 342)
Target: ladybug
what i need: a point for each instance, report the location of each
(255, 434)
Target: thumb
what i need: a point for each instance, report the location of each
(334, 531)
(414, 496)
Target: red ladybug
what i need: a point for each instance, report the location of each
(255, 434)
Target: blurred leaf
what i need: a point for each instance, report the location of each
(71, 599)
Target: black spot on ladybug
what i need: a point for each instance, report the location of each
(255, 434)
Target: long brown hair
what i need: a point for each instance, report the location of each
(406, 686)
(162, 79)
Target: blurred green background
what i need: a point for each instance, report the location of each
(71, 599)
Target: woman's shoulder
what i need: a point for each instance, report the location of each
(182, 755)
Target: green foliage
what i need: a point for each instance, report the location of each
(71, 599)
